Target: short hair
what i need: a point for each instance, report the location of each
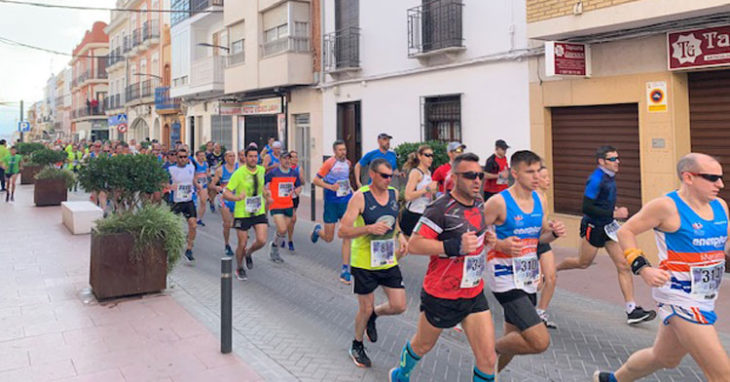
(249, 149)
(182, 150)
(199, 152)
(2, 141)
(377, 162)
(690, 163)
(603, 150)
(465, 157)
(337, 143)
(523, 156)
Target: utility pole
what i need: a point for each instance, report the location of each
(21, 119)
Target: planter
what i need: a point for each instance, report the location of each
(116, 272)
(49, 192)
(28, 172)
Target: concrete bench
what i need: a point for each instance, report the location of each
(80, 217)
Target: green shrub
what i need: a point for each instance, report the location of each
(55, 173)
(47, 157)
(439, 152)
(28, 148)
(149, 225)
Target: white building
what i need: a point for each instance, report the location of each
(443, 69)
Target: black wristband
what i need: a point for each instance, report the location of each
(555, 235)
(638, 263)
(452, 247)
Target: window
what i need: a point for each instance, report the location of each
(442, 118)
(155, 64)
(286, 29)
(221, 129)
(236, 55)
(179, 5)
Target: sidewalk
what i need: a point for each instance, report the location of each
(49, 333)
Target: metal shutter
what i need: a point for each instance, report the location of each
(577, 132)
(709, 116)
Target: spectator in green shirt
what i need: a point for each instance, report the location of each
(11, 163)
(3, 153)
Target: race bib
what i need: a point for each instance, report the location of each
(473, 270)
(706, 281)
(382, 252)
(183, 193)
(611, 230)
(201, 180)
(344, 189)
(502, 179)
(286, 189)
(253, 204)
(526, 270)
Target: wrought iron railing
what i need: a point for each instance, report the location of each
(435, 25)
(342, 49)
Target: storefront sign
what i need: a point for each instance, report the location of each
(656, 96)
(567, 59)
(229, 108)
(259, 106)
(699, 48)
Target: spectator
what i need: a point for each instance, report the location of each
(497, 170)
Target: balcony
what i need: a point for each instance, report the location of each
(207, 74)
(435, 28)
(132, 92)
(136, 38)
(201, 5)
(127, 44)
(286, 44)
(163, 103)
(115, 57)
(114, 102)
(342, 50)
(151, 31)
(59, 101)
(89, 111)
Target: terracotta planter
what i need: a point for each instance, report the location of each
(49, 192)
(28, 173)
(117, 272)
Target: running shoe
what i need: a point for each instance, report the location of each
(546, 320)
(346, 277)
(12, 197)
(273, 252)
(394, 376)
(640, 315)
(249, 262)
(200, 223)
(458, 328)
(7, 199)
(212, 207)
(602, 376)
(358, 355)
(229, 251)
(315, 233)
(291, 246)
(189, 255)
(241, 274)
(370, 329)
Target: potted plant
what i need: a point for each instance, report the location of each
(28, 169)
(135, 247)
(51, 183)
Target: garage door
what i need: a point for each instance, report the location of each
(709, 116)
(577, 132)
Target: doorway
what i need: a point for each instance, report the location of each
(349, 129)
(259, 128)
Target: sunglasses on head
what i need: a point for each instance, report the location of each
(471, 175)
(709, 177)
(612, 159)
(385, 176)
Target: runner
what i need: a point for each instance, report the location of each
(599, 212)
(220, 180)
(201, 183)
(215, 159)
(294, 160)
(283, 184)
(271, 160)
(547, 259)
(419, 189)
(496, 170)
(441, 175)
(513, 270)
(334, 178)
(370, 222)
(246, 188)
(267, 150)
(183, 195)
(12, 165)
(452, 232)
(383, 151)
(691, 229)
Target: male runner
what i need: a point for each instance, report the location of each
(383, 151)
(294, 160)
(283, 184)
(370, 222)
(223, 176)
(443, 172)
(271, 160)
(246, 188)
(183, 193)
(496, 170)
(691, 229)
(513, 270)
(453, 233)
(214, 159)
(599, 212)
(334, 178)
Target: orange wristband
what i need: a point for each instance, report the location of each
(632, 253)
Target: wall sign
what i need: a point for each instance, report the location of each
(259, 106)
(699, 48)
(567, 59)
(656, 96)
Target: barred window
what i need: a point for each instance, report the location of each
(442, 118)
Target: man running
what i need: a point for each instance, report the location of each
(201, 183)
(222, 176)
(513, 270)
(271, 160)
(183, 193)
(334, 178)
(370, 222)
(691, 229)
(547, 259)
(294, 160)
(283, 184)
(496, 170)
(383, 151)
(443, 172)
(246, 188)
(599, 212)
(452, 232)
(215, 159)
(11, 164)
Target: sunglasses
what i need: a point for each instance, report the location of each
(471, 175)
(458, 151)
(709, 177)
(428, 155)
(182, 157)
(612, 159)
(385, 176)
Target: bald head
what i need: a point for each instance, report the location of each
(695, 163)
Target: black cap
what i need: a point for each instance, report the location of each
(285, 154)
(384, 136)
(501, 144)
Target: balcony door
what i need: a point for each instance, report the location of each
(347, 22)
(349, 129)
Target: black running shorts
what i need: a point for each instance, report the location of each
(186, 209)
(594, 233)
(519, 308)
(408, 221)
(542, 248)
(443, 313)
(244, 224)
(367, 280)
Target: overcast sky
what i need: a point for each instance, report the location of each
(24, 72)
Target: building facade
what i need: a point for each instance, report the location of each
(89, 85)
(656, 88)
(119, 46)
(62, 123)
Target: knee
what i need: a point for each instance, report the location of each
(584, 264)
(540, 344)
(399, 307)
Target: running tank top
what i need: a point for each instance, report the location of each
(419, 204)
(200, 168)
(506, 272)
(376, 252)
(694, 256)
(226, 175)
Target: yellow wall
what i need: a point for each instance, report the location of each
(547, 9)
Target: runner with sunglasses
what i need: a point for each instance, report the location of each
(182, 176)
(419, 189)
(691, 229)
(599, 212)
(513, 271)
(453, 233)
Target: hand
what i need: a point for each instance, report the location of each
(490, 239)
(269, 201)
(242, 195)
(621, 213)
(469, 242)
(334, 187)
(402, 245)
(558, 227)
(512, 246)
(379, 228)
(654, 277)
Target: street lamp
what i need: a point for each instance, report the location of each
(214, 46)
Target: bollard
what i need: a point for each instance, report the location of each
(226, 305)
(313, 202)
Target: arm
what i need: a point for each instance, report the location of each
(228, 191)
(411, 193)
(319, 182)
(354, 208)
(495, 211)
(357, 174)
(216, 177)
(591, 209)
(551, 229)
